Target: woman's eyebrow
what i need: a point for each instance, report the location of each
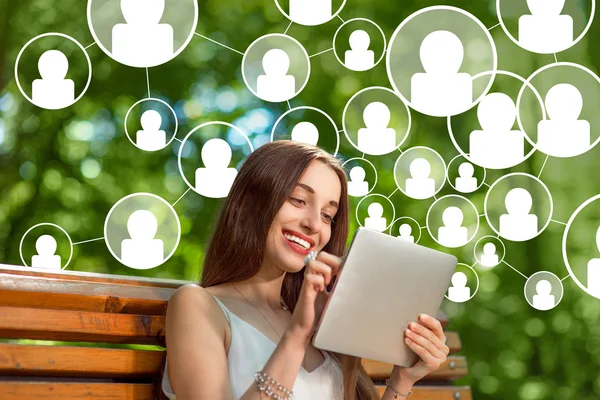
(311, 190)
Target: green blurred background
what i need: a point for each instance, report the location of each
(70, 166)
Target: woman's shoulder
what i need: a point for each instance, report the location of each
(194, 301)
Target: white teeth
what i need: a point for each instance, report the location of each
(296, 239)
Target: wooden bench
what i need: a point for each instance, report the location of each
(107, 312)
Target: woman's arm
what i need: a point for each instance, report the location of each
(197, 355)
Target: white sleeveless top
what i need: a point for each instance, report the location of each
(250, 350)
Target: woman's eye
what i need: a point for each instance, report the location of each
(298, 200)
(328, 217)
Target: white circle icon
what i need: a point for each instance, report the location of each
(142, 33)
(276, 68)
(374, 217)
(207, 160)
(142, 231)
(358, 40)
(155, 125)
(433, 56)
(54, 90)
(518, 207)
(462, 282)
(48, 250)
(376, 121)
(420, 172)
(308, 125)
(543, 290)
(544, 26)
(310, 12)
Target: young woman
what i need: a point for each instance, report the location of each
(257, 305)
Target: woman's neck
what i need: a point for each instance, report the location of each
(263, 290)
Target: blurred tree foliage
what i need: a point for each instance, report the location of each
(70, 166)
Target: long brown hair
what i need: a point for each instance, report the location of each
(236, 248)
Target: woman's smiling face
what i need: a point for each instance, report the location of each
(304, 221)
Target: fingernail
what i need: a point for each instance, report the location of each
(412, 325)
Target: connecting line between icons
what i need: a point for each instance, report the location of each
(220, 44)
(391, 194)
(89, 45)
(489, 29)
(516, 270)
(181, 197)
(558, 222)
(485, 183)
(424, 227)
(148, 82)
(341, 19)
(322, 52)
(434, 197)
(555, 59)
(91, 240)
(363, 154)
(568, 276)
(481, 215)
(179, 140)
(288, 28)
(543, 165)
(289, 105)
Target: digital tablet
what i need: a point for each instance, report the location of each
(384, 284)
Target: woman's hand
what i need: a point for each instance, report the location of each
(313, 295)
(429, 342)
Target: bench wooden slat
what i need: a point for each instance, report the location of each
(69, 361)
(20, 270)
(453, 368)
(436, 392)
(76, 391)
(32, 323)
(61, 294)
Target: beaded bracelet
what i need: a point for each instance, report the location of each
(262, 377)
(396, 393)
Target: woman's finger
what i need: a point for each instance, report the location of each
(316, 280)
(431, 361)
(426, 343)
(429, 335)
(332, 261)
(319, 267)
(434, 325)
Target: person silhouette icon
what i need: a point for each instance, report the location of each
(441, 91)
(311, 12)
(593, 271)
(276, 85)
(466, 182)
(459, 292)
(359, 57)
(151, 137)
(357, 186)
(216, 178)
(489, 258)
(375, 220)
(305, 132)
(142, 41)
(53, 91)
(497, 145)
(563, 135)
(543, 300)
(405, 232)
(453, 234)
(545, 30)
(142, 251)
(46, 258)
(518, 224)
(377, 138)
(420, 186)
